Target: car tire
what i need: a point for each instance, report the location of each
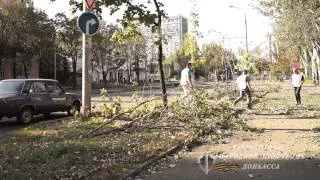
(74, 108)
(47, 114)
(25, 116)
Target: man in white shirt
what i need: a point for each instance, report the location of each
(297, 81)
(243, 82)
(186, 81)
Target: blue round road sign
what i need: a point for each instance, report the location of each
(88, 23)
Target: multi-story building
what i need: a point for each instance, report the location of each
(173, 29)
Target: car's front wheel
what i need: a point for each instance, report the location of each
(74, 108)
(26, 115)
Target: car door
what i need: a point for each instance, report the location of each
(57, 96)
(39, 96)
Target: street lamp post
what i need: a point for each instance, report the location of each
(245, 23)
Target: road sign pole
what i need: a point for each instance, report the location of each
(86, 72)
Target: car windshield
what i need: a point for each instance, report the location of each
(11, 86)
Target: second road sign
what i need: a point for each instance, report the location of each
(88, 23)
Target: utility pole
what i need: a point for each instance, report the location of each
(246, 25)
(86, 71)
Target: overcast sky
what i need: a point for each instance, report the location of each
(217, 19)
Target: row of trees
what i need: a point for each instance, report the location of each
(28, 34)
(297, 32)
(25, 34)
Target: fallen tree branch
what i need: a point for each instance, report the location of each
(149, 124)
(126, 126)
(115, 117)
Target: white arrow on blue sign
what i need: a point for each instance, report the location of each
(88, 23)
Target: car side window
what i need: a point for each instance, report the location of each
(38, 87)
(53, 87)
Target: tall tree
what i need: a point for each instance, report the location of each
(131, 41)
(297, 29)
(103, 48)
(26, 34)
(69, 41)
(138, 11)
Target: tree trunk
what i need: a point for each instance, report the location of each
(160, 55)
(74, 73)
(104, 77)
(162, 81)
(137, 69)
(305, 57)
(25, 70)
(14, 70)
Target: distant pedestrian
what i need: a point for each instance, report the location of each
(243, 82)
(187, 82)
(297, 82)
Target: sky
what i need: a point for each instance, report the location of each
(218, 22)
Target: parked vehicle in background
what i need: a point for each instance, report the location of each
(24, 98)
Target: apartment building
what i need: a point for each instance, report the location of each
(173, 29)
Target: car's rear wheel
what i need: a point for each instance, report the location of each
(47, 114)
(26, 115)
(74, 108)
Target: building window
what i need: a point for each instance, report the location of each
(1, 71)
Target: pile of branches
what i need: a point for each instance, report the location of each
(209, 112)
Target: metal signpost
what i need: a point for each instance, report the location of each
(88, 24)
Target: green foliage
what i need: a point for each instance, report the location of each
(107, 110)
(104, 52)
(129, 33)
(68, 41)
(25, 34)
(296, 32)
(131, 44)
(216, 58)
(207, 113)
(188, 51)
(248, 62)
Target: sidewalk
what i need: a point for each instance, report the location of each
(287, 143)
